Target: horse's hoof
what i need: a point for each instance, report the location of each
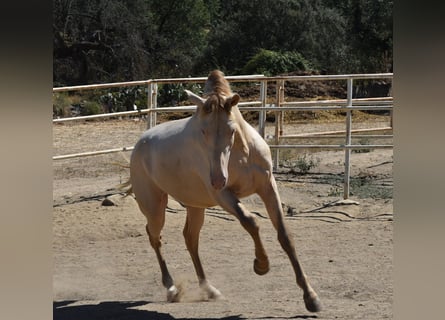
(173, 294)
(313, 304)
(211, 291)
(214, 294)
(260, 270)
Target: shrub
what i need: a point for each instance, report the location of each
(124, 99)
(61, 105)
(271, 63)
(172, 94)
(90, 107)
(305, 163)
(363, 141)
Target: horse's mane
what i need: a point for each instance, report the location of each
(217, 84)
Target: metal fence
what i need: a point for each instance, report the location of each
(279, 106)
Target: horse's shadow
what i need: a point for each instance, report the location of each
(112, 310)
(119, 310)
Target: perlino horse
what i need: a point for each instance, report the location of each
(211, 158)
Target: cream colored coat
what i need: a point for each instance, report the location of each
(211, 158)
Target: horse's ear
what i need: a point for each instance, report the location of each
(232, 101)
(195, 98)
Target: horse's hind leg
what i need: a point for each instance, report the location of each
(193, 224)
(272, 201)
(152, 202)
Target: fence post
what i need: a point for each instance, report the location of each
(348, 140)
(262, 115)
(154, 104)
(149, 103)
(279, 98)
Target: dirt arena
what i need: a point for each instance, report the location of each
(104, 267)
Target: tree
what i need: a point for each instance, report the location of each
(178, 35)
(122, 40)
(370, 29)
(99, 40)
(241, 29)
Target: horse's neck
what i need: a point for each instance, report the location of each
(239, 117)
(242, 138)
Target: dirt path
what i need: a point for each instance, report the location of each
(104, 267)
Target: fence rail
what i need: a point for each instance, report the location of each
(279, 107)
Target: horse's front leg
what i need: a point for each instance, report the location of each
(229, 202)
(269, 195)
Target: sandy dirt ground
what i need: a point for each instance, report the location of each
(104, 267)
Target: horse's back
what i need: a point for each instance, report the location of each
(158, 142)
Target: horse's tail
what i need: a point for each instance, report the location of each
(126, 187)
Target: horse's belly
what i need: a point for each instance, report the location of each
(186, 190)
(197, 200)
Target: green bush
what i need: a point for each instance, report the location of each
(90, 107)
(174, 93)
(305, 163)
(271, 63)
(302, 165)
(61, 105)
(123, 99)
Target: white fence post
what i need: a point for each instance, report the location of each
(348, 140)
(149, 104)
(262, 114)
(152, 103)
(279, 99)
(154, 114)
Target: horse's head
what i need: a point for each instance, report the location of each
(217, 128)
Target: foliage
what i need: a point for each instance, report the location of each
(122, 40)
(124, 99)
(305, 163)
(270, 63)
(363, 141)
(312, 28)
(171, 94)
(361, 187)
(100, 41)
(61, 105)
(89, 108)
(96, 41)
(370, 26)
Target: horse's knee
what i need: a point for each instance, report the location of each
(249, 222)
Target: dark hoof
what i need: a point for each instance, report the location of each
(260, 270)
(313, 304)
